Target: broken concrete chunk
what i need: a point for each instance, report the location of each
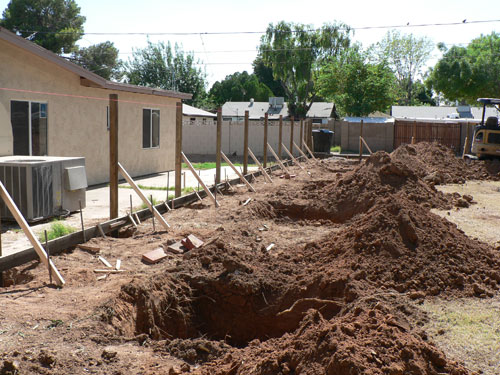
(154, 256)
(192, 242)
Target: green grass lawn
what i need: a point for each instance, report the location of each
(335, 149)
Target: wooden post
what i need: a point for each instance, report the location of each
(280, 141)
(200, 181)
(262, 169)
(218, 146)
(466, 144)
(242, 178)
(113, 156)
(139, 192)
(266, 117)
(360, 142)
(366, 145)
(301, 134)
(291, 132)
(178, 150)
(245, 145)
(31, 236)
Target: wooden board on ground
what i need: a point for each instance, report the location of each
(192, 242)
(177, 248)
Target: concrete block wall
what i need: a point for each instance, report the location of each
(199, 139)
(379, 136)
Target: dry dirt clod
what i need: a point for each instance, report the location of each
(10, 368)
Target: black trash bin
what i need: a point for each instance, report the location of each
(323, 140)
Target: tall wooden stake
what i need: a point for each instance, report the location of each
(218, 146)
(291, 133)
(245, 145)
(113, 156)
(266, 117)
(178, 150)
(280, 136)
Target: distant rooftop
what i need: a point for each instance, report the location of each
(188, 110)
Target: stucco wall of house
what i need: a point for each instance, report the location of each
(77, 116)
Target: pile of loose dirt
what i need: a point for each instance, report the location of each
(439, 165)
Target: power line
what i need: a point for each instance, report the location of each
(408, 25)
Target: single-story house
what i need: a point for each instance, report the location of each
(193, 115)
(235, 111)
(440, 112)
(50, 106)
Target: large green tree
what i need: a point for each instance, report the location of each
(295, 51)
(157, 65)
(53, 24)
(467, 73)
(406, 55)
(265, 76)
(357, 86)
(239, 87)
(101, 59)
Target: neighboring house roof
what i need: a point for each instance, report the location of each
(87, 78)
(256, 110)
(442, 112)
(188, 110)
(320, 110)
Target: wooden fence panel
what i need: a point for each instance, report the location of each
(447, 134)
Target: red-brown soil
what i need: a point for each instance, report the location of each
(355, 250)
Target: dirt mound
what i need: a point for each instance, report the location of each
(438, 164)
(367, 340)
(354, 192)
(401, 246)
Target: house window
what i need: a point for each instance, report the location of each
(150, 128)
(29, 127)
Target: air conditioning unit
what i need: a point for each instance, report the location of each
(43, 186)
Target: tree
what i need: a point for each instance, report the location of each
(468, 73)
(101, 59)
(239, 87)
(295, 51)
(406, 55)
(53, 24)
(265, 76)
(158, 66)
(357, 87)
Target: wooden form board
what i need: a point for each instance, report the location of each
(143, 197)
(207, 190)
(309, 150)
(242, 178)
(262, 169)
(31, 236)
(291, 157)
(282, 166)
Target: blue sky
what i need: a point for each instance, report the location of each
(156, 16)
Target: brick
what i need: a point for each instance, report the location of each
(177, 248)
(192, 242)
(154, 256)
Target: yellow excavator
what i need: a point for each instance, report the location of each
(486, 141)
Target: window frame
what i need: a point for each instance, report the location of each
(45, 112)
(151, 128)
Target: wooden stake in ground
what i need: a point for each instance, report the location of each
(113, 156)
(309, 151)
(242, 178)
(178, 149)
(293, 159)
(207, 190)
(143, 197)
(301, 152)
(81, 219)
(218, 146)
(466, 144)
(245, 144)
(278, 160)
(31, 236)
(366, 145)
(262, 169)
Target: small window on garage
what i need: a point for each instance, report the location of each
(150, 128)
